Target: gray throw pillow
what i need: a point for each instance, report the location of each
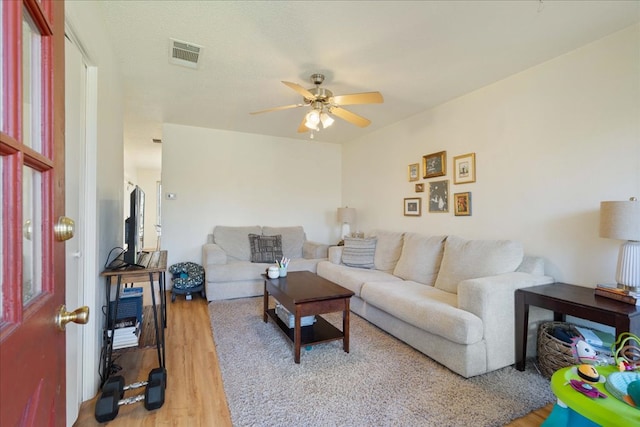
(265, 248)
(359, 252)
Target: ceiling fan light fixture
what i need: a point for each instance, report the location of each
(324, 105)
(312, 119)
(326, 120)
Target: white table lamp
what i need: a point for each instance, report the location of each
(346, 216)
(621, 220)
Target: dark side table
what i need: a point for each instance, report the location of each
(577, 301)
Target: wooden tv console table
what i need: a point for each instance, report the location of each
(156, 267)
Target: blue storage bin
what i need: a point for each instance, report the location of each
(127, 307)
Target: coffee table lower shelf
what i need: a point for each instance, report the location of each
(321, 331)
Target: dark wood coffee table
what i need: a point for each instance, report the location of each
(304, 294)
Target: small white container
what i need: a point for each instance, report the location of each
(273, 272)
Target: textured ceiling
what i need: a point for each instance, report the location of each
(417, 54)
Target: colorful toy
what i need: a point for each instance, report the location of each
(624, 386)
(586, 389)
(588, 373)
(583, 351)
(633, 391)
(626, 352)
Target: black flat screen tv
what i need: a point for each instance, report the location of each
(134, 227)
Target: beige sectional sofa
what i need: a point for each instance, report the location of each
(226, 258)
(450, 298)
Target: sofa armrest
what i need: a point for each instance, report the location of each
(314, 250)
(213, 254)
(335, 254)
(492, 299)
(484, 295)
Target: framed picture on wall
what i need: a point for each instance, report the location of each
(414, 171)
(419, 188)
(412, 206)
(439, 196)
(462, 204)
(434, 164)
(464, 168)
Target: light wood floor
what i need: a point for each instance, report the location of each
(194, 394)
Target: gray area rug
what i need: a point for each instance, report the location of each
(381, 382)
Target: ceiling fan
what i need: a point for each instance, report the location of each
(323, 103)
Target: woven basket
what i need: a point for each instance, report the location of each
(553, 353)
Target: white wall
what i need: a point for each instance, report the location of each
(551, 143)
(147, 179)
(108, 134)
(231, 178)
(130, 168)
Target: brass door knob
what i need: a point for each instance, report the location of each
(79, 316)
(64, 229)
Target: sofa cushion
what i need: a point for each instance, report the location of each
(421, 258)
(303, 264)
(532, 265)
(265, 248)
(234, 241)
(350, 277)
(292, 239)
(314, 250)
(425, 307)
(472, 259)
(235, 271)
(359, 252)
(388, 250)
(245, 271)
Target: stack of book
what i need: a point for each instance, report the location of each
(127, 325)
(600, 341)
(126, 333)
(618, 294)
(131, 293)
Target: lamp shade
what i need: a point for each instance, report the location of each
(346, 215)
(620, 220)
(326, 120)
(312, 120)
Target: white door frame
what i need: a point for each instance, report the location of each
(92, 336)
(82, 381)
(75, 96)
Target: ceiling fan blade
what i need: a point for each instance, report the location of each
(302, 91)
(358, 98)
(302, 128)
(352, 118)
(284, 107)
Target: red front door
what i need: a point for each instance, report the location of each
(32, 349)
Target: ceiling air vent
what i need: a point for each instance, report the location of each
(184, 53)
